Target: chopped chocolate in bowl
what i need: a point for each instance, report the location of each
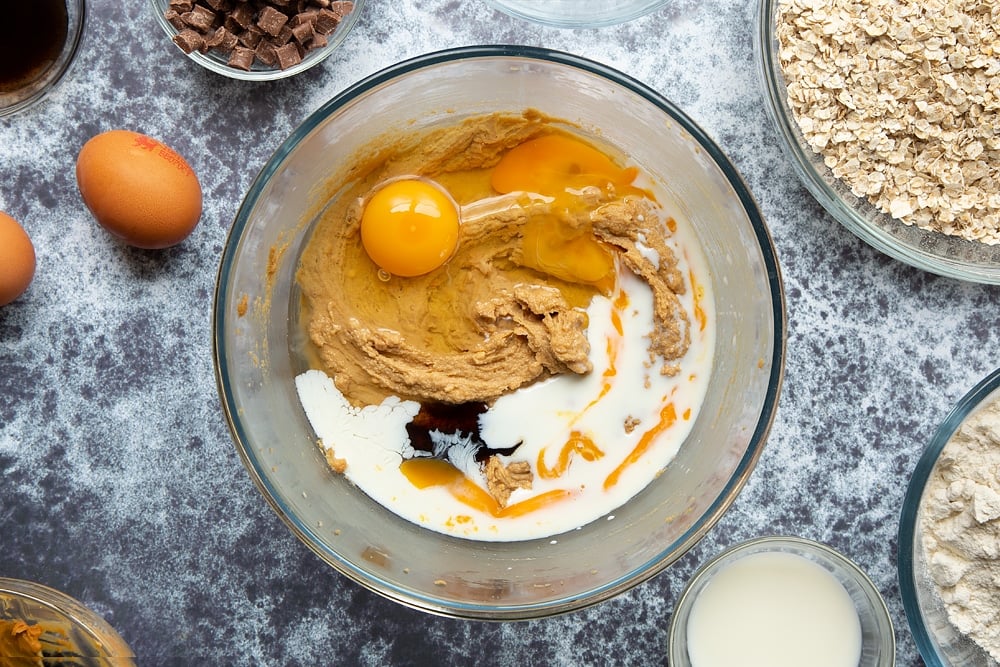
(257, 39)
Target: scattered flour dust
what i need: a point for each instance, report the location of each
(961, 527)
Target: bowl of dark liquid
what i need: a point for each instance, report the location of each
(38, 40)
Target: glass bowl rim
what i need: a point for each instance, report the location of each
(861, 577)
(74, 36)
(841, 209)
(635, 9)
(428, 602)
(310, 60)
(907, 534)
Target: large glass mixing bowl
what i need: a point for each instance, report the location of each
(255, 332)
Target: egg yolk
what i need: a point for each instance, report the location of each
(574, 255)
(553, 164)
(561, 167)
(409, 227)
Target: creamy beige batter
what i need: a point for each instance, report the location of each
(484, 324)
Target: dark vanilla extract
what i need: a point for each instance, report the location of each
(457, 425)
(32, 34)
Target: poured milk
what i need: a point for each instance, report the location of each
(546, 418)
(774, 610)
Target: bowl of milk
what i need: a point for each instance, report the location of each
(781, 601)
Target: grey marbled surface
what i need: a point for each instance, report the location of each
(119, 483)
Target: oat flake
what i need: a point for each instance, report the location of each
(902, 100)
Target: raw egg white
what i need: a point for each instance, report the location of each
(139, 189)
(17, 259)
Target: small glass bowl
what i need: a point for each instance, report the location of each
(878, 641)
(72, 634)
(950, 256)
(940, 644)
(577, 13)
(34, 91)
(218, 63)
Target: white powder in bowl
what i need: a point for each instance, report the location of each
(961, 528)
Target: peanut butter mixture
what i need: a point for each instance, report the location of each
(19, 645)
(489, 320)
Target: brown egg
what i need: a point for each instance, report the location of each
(17, 259)
(138, 189)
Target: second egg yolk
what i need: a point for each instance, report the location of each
(409, 227)
(552, 164)
(559, 166)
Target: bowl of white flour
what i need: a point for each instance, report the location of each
(949, 536)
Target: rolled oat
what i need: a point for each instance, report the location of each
(902, 100)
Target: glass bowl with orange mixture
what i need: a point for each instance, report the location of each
(43, 626)
(338, 372)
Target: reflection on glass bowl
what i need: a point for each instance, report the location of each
(577, 13)
(255, 332)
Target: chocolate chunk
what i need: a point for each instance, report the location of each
(242, 15)
(326, 21)
(200, 18)
(288, 55)
(242, 58)
(305, 16)
(221, 39)
(251, 37)
(271, 20)
(181, 6)
(341, 7)
(174, 19)
(189, 40)
(220, 5)
(303, 33)
(319, 41)
(266, 53)
(282, 37)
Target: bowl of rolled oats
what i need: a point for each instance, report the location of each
(889, 111)
(257, 40)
